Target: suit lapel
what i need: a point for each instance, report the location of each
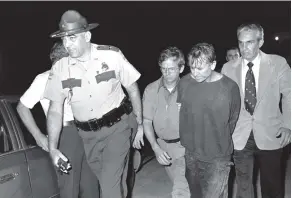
(265, 73)
(238, 72)
(238, 77)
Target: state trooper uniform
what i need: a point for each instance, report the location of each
(80, 182)
(100, 109)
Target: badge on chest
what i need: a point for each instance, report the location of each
(106, 74)
(71, 83)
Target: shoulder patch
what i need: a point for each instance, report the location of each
(107, 47)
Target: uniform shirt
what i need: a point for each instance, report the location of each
(159, 106)
(35, 94)
(255, 70)
(95, 84)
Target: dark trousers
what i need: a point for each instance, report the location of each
(81, 181)
(269, 163)
(107, 152)
(207, 179)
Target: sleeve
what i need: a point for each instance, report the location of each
(285, 90)
(54, 90)
(34, 93)
(128, 73)
(234, 107)
(149, 103)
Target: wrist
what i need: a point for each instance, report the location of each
(154, 146)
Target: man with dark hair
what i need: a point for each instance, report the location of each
(161, 112)
(91, 78)
(80, 182)
(232, 54)
(262, 129)
(209, 107)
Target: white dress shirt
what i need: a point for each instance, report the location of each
(35, 94)
(255, 70)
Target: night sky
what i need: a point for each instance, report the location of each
(140, 29)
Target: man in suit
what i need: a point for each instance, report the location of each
(262, 130)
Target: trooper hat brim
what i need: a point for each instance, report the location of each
(63, 33)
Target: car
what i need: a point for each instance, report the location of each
(26, 171)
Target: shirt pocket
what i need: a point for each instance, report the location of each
(77, 95)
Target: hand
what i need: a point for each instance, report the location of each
(56, 155)
(42, 141)
(139, 137)
(162, 157)
(284, 135)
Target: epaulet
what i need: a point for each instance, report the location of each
(107, 47)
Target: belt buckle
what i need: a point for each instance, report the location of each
(92, 125)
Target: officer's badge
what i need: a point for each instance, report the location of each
(104, 67)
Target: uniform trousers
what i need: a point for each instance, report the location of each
(81, 181)
(107, 152)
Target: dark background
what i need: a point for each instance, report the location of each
(140, 29)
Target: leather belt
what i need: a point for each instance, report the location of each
(172, 140)
(108, 119)
(68, 123)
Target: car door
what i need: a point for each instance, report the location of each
(14, 175)
(43, 177)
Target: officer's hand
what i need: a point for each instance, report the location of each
(162, 156)
(284, 135)
(139, 137)
(42, 141)
(56, 155)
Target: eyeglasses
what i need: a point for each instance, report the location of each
(171, 69)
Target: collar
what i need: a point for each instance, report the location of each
(161, 84)
(255, 62)
(93, 55)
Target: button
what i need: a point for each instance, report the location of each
(90, 96)
(91, 109)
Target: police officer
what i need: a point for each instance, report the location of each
(91, 78)
(81, 182)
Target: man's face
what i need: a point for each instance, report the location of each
(170, 70)
(75, 44)
(232, 54)
(201, 69)
(249, 44)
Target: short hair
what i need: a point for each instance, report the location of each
(252, 26)
(232, 48)
(202, 52)
(172, 52)
(58, 52)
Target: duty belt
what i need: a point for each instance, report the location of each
(108, 119)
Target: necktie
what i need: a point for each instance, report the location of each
(250, 98)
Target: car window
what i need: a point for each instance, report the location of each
(5, 139)
(40, 119)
